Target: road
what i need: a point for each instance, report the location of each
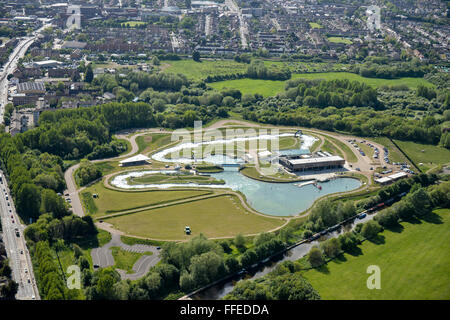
(103, 257)
(11, 65)
(242, 24)
(73, 192)
(18, 254)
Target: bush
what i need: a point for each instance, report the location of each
(371, 229)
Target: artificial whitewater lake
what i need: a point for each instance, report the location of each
(276, 199)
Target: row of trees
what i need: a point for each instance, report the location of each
(70, 228)
(87, 172)
(258, 70)
(337, 93)
(48, 276)
(418, 203)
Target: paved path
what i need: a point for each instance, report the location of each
(103, 257)
(363, 163)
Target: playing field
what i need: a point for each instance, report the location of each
(414, 264)
(133, 23)
(151, 142)
(270, 88)
(427, 154)
(340, 40)
(315, 25)
(221, 216)
(110, 201)
(200, 70)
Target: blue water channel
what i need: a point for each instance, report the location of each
(281, 199)
(277, 199)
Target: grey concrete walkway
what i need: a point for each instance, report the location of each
(103, 257)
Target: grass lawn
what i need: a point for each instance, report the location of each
(270, 88)
(414, 264)
(340, 40)
(151, 142)
(266, 88)
(174, 178)
(315, 25)
(133, 23)
(125, 260)
(200, 70)
(431, 155)
(289, 143)
(251, 172)
(351, 157)
(110, 201)
(222, 216)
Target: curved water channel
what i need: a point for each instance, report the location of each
(277, 199)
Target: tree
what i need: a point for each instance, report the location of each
(387, 218)
(348, 241)
(52, 203)
(239, 241)
(370, 229)
(196, 56)
(331, 247)
(29, 200)
(315, 257)
(89, 74)
(9, 290)
(292, 287)
(420, 201)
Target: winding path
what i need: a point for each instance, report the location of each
(74, 191)
(103, 257)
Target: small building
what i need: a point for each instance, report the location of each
(137, 160)
(391, 178)
(383, 181)
(303, 164)
(46, 64)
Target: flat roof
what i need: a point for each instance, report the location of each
(398, 175)
(139, 157)
(383, 180)
(315, 160)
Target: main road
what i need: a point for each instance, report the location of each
(11, 65)
(16, 248)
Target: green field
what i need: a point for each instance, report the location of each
(340, 40)
(351, 157)
(427, 154)
(222, 216)
(174, 178)
(414, 264)
(125, 260)
(251, 172)
(110, 201)
(266, 88)
(133, 23)
(315, 25)
(200, 70)
(270, 88)
(152, 142)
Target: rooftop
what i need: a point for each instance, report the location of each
(315, 160)
(137, 158)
